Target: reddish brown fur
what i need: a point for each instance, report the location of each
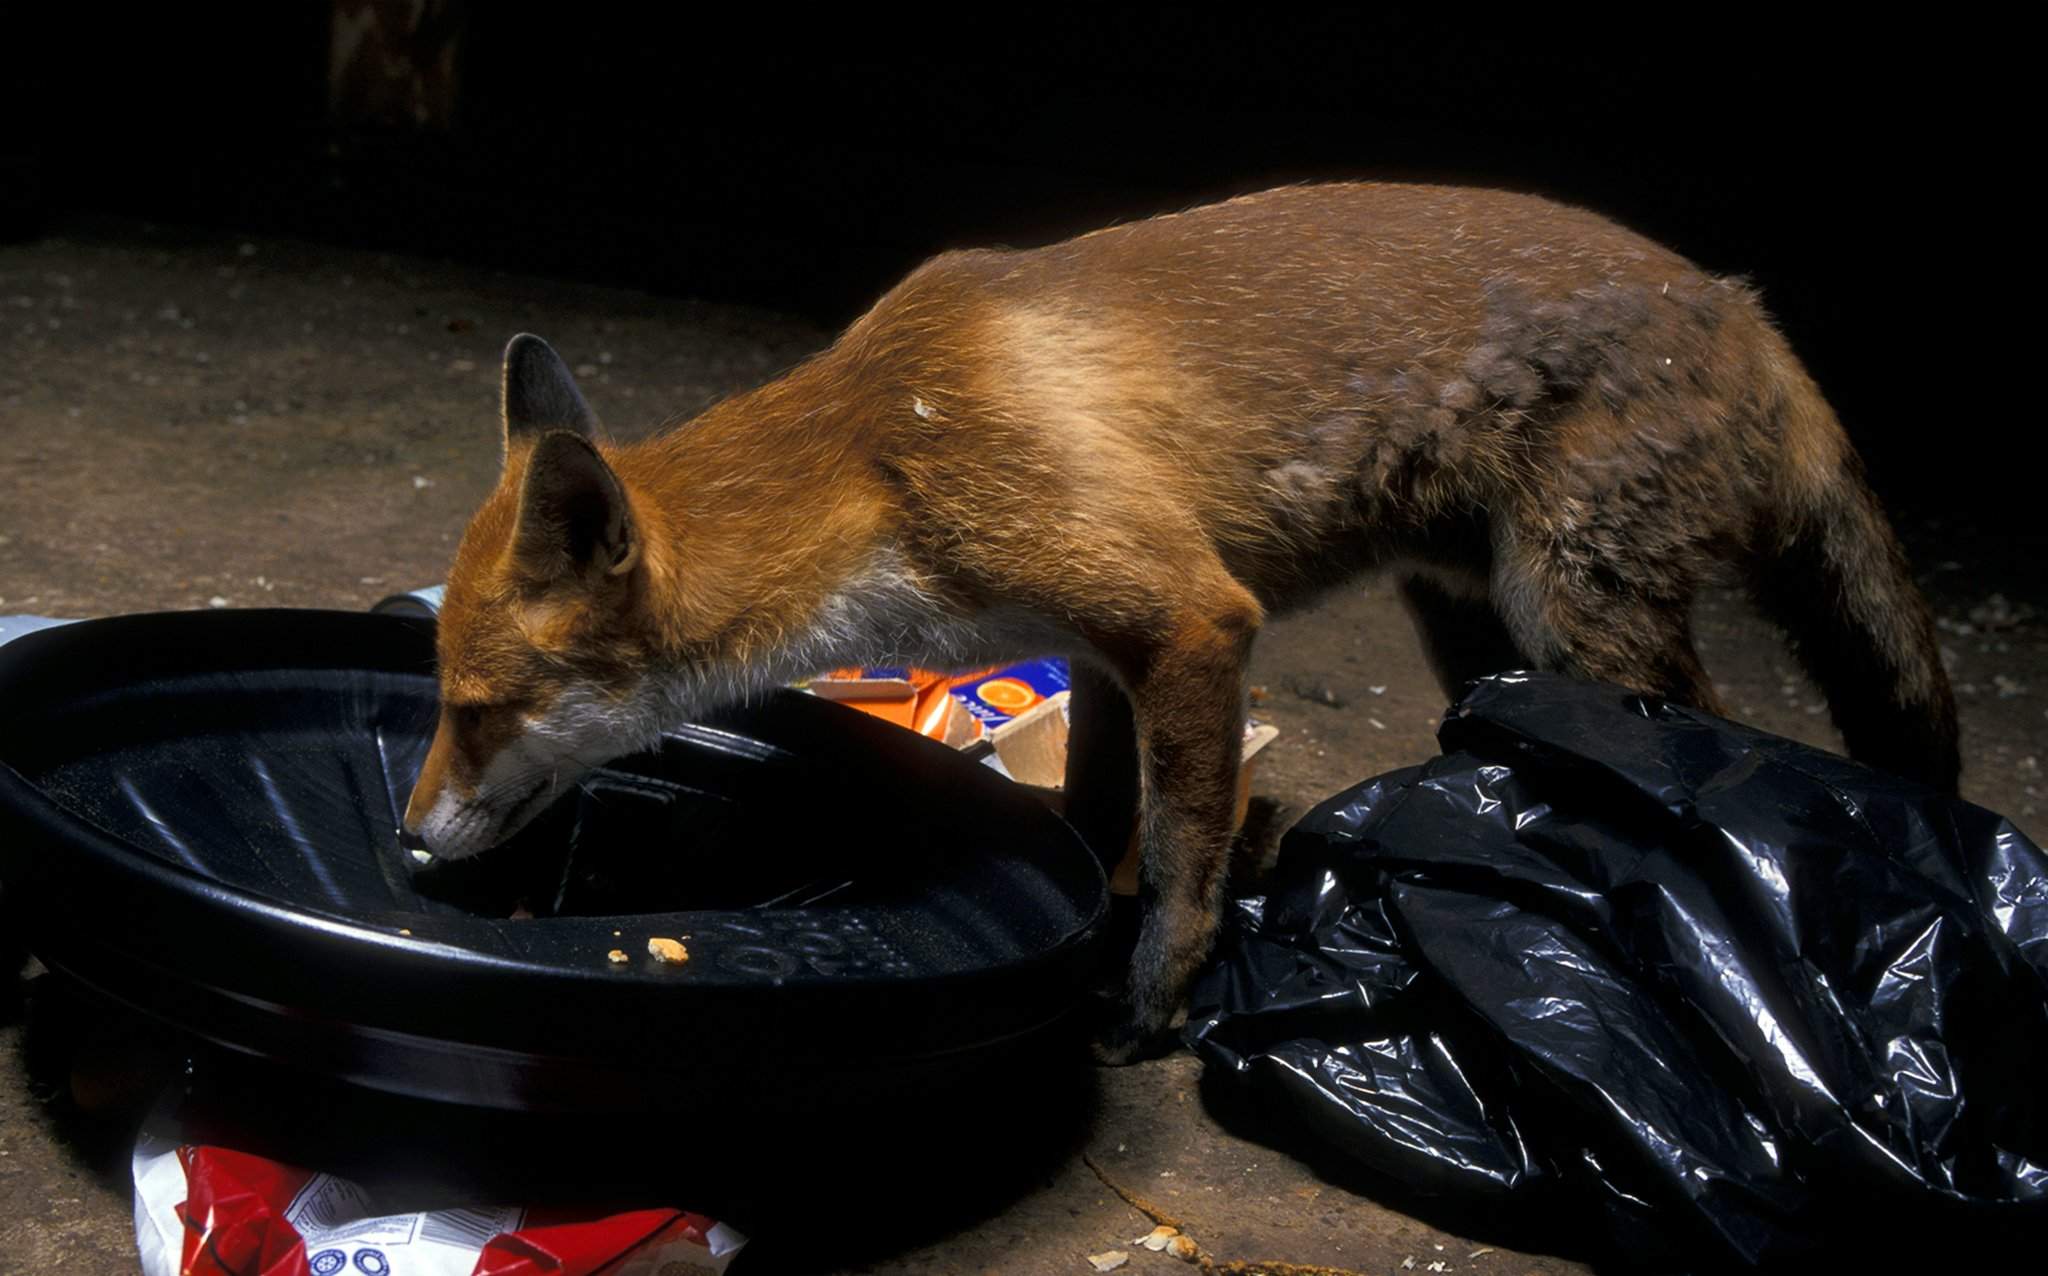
(1147, 439)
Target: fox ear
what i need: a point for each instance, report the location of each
(573, 514)
(539, 393)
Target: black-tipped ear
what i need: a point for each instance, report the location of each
(539, 393)
(573, 515)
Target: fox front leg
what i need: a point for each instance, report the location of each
(1188, 700)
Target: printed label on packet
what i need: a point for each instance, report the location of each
(332, 1217)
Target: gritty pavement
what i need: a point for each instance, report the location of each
(198, 420)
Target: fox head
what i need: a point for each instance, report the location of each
(543, 660)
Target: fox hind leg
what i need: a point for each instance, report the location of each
(1620, 622)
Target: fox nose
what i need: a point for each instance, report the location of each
(414, 846)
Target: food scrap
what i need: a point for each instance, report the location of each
(667, 950)
(1158, 1238)
(1170, 1240)
(617, 957)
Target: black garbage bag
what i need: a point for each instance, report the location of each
(1710, 996)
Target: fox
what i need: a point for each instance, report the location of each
(1133, 447)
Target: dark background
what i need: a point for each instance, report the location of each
(1865, 177)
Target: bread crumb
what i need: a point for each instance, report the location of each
(617, 957)
(667, 950)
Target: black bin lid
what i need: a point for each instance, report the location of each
(198, 813)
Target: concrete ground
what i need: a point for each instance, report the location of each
(195, 420)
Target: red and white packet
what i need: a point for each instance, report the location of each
(212, 1211)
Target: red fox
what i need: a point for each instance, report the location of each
(1133, 447)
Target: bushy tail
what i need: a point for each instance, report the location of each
(1831, 573)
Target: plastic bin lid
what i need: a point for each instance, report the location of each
(198, 814)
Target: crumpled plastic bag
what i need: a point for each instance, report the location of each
(1694, 993)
